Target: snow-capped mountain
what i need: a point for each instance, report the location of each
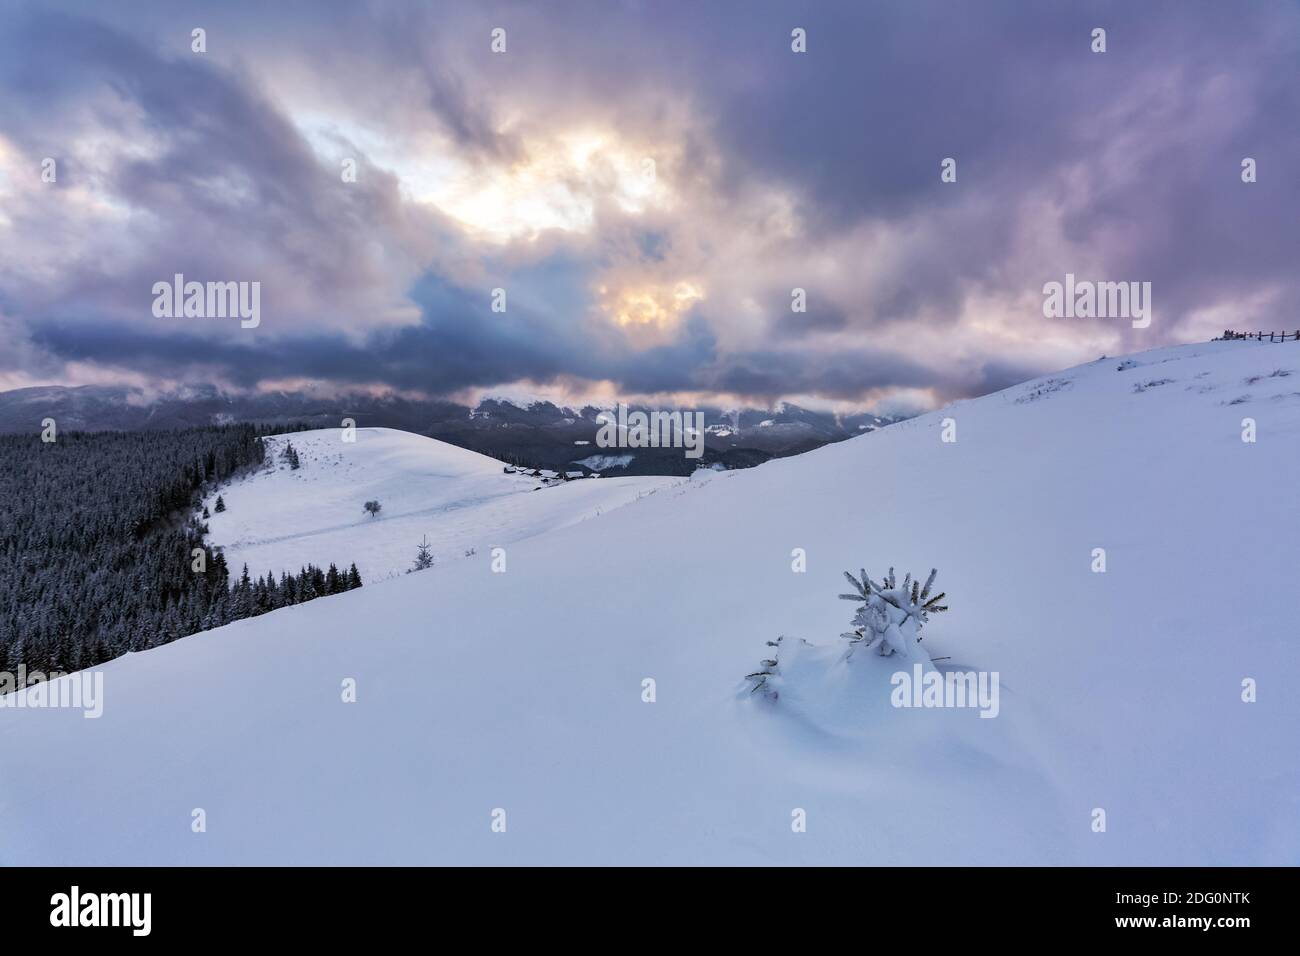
(531, 431)
(591, 698)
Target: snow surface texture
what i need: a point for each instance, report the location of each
(280, 519)
(523, 690)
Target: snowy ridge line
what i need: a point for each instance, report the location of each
(1231, 335)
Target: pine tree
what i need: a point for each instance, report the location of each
(16, 656)
(354, 578)
(132, 507)
(891, 614)
(423, 556)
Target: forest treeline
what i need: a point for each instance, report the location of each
(98, 533)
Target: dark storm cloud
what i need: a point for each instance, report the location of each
(769, 374)
(228, 186)
(1012, 92)
(1068, 161)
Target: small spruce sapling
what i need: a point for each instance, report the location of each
(221, 504)
(423, 556)
(891, 616)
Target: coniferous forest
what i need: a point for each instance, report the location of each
(97, 538)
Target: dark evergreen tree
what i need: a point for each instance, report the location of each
(97, 532)
(423, 556)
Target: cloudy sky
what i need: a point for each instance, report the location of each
(647, 181)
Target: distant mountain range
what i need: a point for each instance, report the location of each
(537, 433)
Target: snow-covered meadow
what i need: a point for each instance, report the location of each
(280, 518)
(525, 691)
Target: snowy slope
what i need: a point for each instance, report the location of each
(522, 691)
(280, 518)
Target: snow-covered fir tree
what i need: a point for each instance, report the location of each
(99, 562)
(892, 615)
(423, 556)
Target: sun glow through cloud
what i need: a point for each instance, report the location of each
(559, 185)
(649, 308)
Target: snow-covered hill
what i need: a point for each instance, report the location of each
(523, 691)
(281, 518)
